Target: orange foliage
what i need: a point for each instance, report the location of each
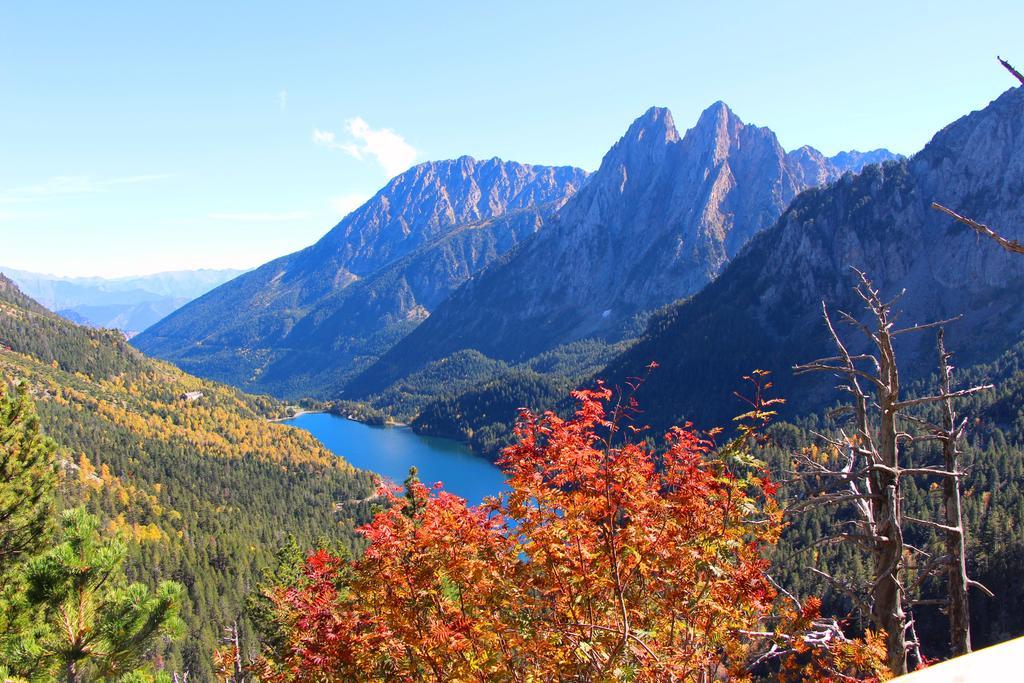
(610, 559)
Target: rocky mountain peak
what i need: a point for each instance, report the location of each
(643, 146)
(654, 126)
(426, 201)
(880, 221)
(854, 161)
(716, 119)
(720, 134)
(304, 318)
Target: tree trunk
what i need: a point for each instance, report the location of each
(956, 570)
(887, 607)
(887, 595)
(959, 614)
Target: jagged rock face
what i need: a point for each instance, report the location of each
(661, 217)
(658, 221)
(855, 161)
(814, 169)
(811, 167)
(367, 281)
(422, 204)
(764, 310)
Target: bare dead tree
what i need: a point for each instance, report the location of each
(232, 671)
(957, 581)
(868, 467)
(1009, 67)
(1009, 245)
(1012, 246)
(949, 432)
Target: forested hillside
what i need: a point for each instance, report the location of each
(192, 472)
(993, 502)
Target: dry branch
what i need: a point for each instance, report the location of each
(1009, 67)
(1009, 245)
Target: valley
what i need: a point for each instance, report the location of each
(520, 378)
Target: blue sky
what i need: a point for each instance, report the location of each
(139, 137)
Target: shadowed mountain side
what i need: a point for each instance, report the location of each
(764, 311)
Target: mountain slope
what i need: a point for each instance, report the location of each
(298, 324)
(764, 311)
(204, 489)
(659, 219)
(129, 304)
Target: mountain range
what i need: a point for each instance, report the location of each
(656, 222)
(498, 257)
(763, 311)
(129, 304)
(302, 324)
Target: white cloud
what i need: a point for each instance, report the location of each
(71, 185)
(261, 216)
(345, 204)
(385, 146)
(282, 99)
(325, 138)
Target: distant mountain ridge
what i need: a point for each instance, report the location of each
(656, 222)
(302, 323)
(130, 304)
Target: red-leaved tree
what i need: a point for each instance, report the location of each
(612, 558)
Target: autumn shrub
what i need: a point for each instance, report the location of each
(613, 557)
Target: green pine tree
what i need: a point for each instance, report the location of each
(27, 479)
(99, 628)
(287, 569)
(413, 496)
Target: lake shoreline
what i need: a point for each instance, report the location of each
(298, 413)
(391, 452)
(352, 417)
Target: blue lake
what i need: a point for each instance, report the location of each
(391, 451)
